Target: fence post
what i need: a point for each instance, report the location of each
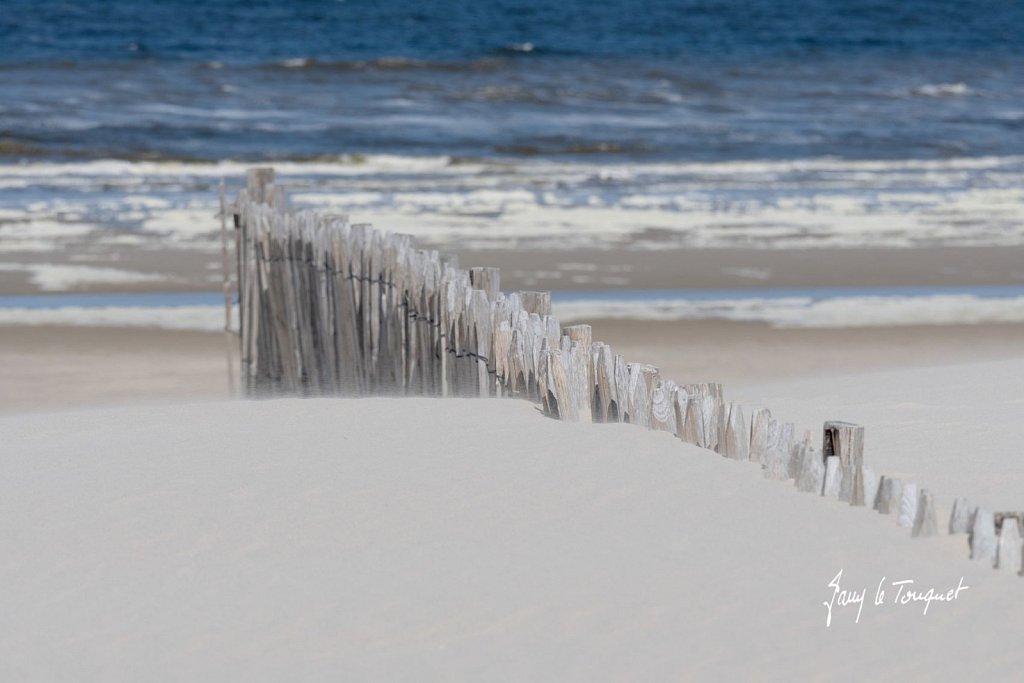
(846, 440)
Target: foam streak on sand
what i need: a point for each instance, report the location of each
(804, 311)
(53, 277)
(779, 308)
(199, 318)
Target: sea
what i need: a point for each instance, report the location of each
(767, 124)
(696, 80)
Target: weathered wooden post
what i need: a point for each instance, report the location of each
(908, 505)
(925, 521)
(558, 382)
(580, 386)
(663, 414)
(642, 378)
(689, 421)
(226, 285)
(811, 478)
(536, 302)
(606, 399)
(582, 336)
(259, 182)
(1009, 552)
(481, 348)
(780, 451)
(983, 535)
(736, 439)
(833, 477)
(760, 434)
(890, 492)
(846, 440)
(960, 517)
(870, 485)
(488, 279)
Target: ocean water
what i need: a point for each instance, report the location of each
(698, 80)
(767, 124)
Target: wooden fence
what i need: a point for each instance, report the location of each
(329, 307)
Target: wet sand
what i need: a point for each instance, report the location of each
(51, 367)
(55, 367)
(740, 353)
(674, 268)
(624, 266)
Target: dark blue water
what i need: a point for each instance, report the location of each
(691, 79)
(328, 30)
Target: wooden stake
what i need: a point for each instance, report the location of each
(607, 399)
(487, 279)
(229, 335)
(736, 438)
(760, 434)
(925, 521)
(890, 492)
(983, 536)
(960, 517)
(870, 484)
(908, 505)
(536, 302)
(811, 478)
(257, 182)
(846, 440)
(583, 369)
(663, 414)
(1009, 551)
(833, 472)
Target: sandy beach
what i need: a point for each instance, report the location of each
(739, 354)
(176, 534)
(668, 267)
(297, 538)
(47, 367)
(321, 325)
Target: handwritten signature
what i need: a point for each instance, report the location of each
(906, 592)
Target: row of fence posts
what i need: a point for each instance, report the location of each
(331, 307)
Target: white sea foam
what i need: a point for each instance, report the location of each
(15, 232)
(53, 277)
(201, 318)
(792, 204)
(859, 311)
(942, 89)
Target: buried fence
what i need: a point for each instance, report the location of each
(330, 307)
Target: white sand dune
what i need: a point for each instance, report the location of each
(390, 539)
(956, 429)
